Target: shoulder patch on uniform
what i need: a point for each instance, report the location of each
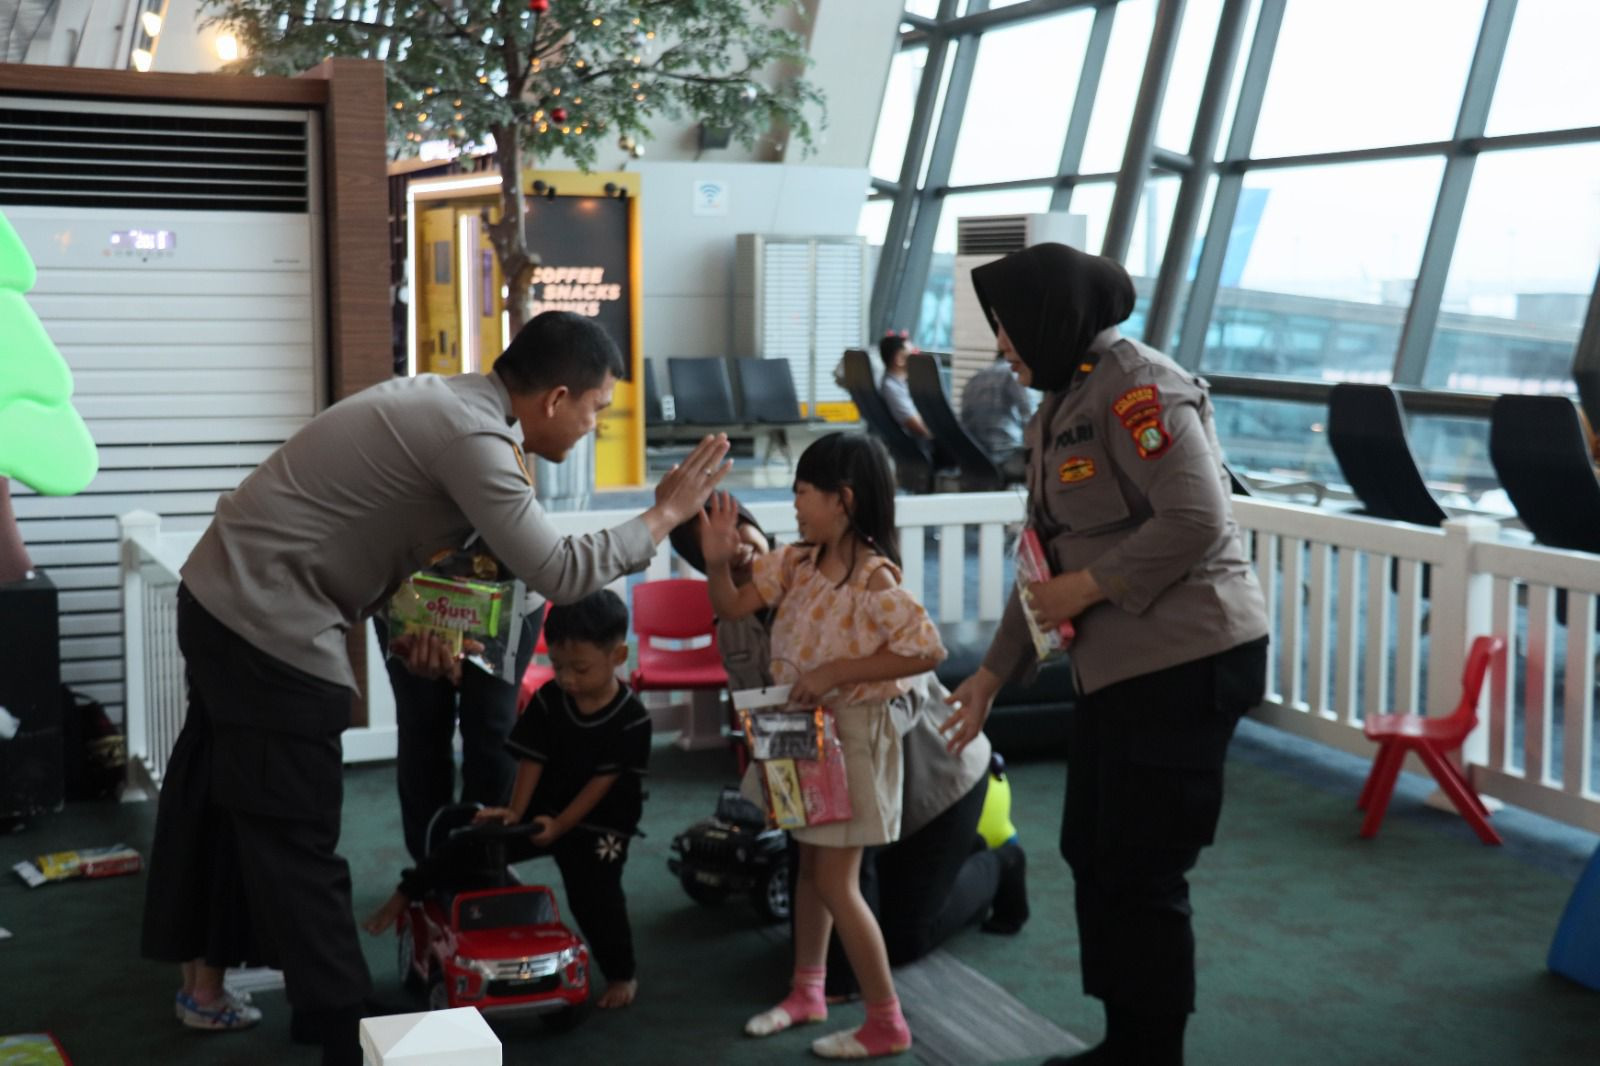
(1135, 404)
(1139, 411)
(522, 464)
(1076, 468)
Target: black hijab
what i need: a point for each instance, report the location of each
(1053, 300)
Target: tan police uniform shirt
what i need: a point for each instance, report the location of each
(1125, 479)
(371, 490)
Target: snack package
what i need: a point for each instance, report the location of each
(1033, 565)
(90, 862)
(798, 757)
(487, 613)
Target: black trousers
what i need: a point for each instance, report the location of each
(248, 822)
(426, 712)
(1144, 791)
(925, 887)
(590, 860)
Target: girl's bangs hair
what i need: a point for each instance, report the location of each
(858, 462)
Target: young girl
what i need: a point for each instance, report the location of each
(847, 636)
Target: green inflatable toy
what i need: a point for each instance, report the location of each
(43, 442)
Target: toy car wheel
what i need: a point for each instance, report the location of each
(438, 995)
(709, 895)
(407, 956)
(771, 893)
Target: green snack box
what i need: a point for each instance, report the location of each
(454, 609)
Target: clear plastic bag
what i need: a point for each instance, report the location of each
(797, 756)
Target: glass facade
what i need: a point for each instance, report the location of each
(1403, 193)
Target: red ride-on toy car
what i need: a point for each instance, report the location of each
(501, 948)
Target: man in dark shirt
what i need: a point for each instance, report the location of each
(582, 746)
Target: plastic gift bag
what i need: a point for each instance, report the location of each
(797, 758)
(1033, 566)
(487, 613)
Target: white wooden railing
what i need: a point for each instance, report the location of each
(1349, 639)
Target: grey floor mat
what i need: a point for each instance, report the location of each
(961, 1018)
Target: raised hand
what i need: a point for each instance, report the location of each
(719, 530)
(682, 491)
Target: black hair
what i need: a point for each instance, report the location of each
(600, 618)
(891, 346)
(560, 348)
(858, 462)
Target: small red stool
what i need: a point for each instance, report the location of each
(1432, 739)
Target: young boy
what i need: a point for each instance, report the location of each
(582, 746)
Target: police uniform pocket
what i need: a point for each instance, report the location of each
(1081, 491)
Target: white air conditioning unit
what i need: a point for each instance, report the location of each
(180, 274)
(983, 240)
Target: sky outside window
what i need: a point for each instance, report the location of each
(1366, 74)
(1021, 99)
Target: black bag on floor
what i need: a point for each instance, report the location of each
(96, 758)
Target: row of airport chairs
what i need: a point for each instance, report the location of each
(735, 395)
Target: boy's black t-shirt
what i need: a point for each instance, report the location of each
(575, 747)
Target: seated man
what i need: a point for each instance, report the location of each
(894, 350)
(994, 408)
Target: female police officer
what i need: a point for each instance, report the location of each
(1127, 490)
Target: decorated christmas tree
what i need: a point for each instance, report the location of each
(43, 442)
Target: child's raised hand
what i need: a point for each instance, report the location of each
(499, 815)
(719, 530)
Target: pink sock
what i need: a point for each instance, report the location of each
(885, 1032)
(805, 1001)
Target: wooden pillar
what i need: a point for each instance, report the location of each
(356, 228)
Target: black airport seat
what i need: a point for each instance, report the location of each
(912, 463)
(654, 415)
(979, 473)
(1541, 456)
(701, 395)
(1367, 433)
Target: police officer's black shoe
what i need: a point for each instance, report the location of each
(1010, 911)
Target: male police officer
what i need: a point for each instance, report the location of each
(306, 547)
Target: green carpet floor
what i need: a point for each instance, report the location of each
(1421, 946)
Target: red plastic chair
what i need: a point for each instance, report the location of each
(677, 609)
(536, 675)
(1432, 739)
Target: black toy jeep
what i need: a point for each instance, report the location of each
(734, 851)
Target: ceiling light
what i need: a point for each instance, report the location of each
(141, 59)
(151, 23)
(227, 47)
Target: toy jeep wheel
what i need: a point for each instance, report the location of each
(771, 894)
(438, 995)
(407, 951)
(709, 895)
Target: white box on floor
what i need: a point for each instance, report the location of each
(457, 1037)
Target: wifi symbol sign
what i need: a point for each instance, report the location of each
(710, 198)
